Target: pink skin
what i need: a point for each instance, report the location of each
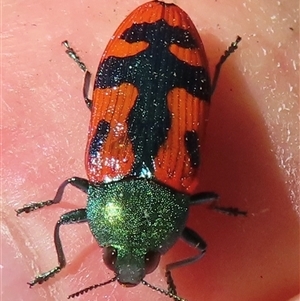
(250, 155)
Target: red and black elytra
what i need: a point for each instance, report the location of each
(148, 117)
(154, 122)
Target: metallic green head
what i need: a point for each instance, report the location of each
(135, 220)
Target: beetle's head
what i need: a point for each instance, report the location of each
(131, 268)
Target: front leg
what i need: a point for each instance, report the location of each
(79, 183)
(72, 217)
(194, 240)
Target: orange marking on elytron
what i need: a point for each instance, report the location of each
(195, 57)
(150, 13)
(116, 156)
(172, 163)
(121, 48)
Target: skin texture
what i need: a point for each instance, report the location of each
(250, 157)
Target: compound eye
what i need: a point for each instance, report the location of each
(151, 261)
(110, 257)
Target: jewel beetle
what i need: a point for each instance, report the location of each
(149, 112)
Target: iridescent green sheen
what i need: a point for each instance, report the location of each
(136, 216)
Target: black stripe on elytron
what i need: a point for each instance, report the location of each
(147, 32)
(192, 145)
(154, 71)
(99, 138)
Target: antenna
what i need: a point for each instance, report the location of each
(162, 291)
(85, 290)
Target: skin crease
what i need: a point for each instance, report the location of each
(251, 151)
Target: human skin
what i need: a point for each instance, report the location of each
(250, 156)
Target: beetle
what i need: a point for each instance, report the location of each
(149, 112)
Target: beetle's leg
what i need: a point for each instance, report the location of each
(233, 211)
(79, 183)
(205, 197)
(194, 240)
(87, 78)
(223, 58)
(72, 217)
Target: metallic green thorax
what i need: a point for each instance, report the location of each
(136, 216)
